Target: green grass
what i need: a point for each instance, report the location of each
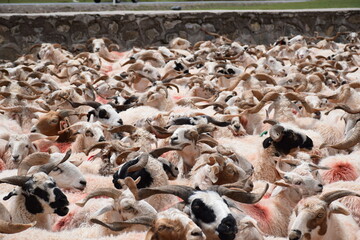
(237, 6)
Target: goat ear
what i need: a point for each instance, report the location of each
(36, 136)
(151, 235)
(5, 137)
(104, 210)
(338, 208)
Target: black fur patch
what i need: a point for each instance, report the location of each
(60, 199)
(146, 178)
(289, 141)
(103, 114)
(308, 144)
(33, 205)
(41, 194)
(227, 228)
(92, 112)
(178, 66)
(267, 142)
(202, 212)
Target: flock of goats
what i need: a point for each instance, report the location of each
(215, 140)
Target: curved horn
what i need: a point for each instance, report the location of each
(47, 168)
(276, 132)
(184, 192)
(124, 128)
(38, 158)
(100, 145)
(159, 132)
(119, 226)
(217, 123)
(108, 192)
(271, 96)
(265, 77)
(241, 196)
(15, 180)
(271, 122)
(346, 109)
(10, 228)
(235, 83)
(350, 141)
(159, 151)
(143, 160)
(332, 196)
(66, 113)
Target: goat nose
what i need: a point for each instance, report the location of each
(16, 158)
(82, 182)
(196, 232)
(320, 186)
(237, 127)
(295, 234)
(101, 139)
(33, 130)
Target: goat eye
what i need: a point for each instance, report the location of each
(57, 169)
(88, 133)
(298, 183)
(52, 185)
(320, 215)
(27, 146)
(54, 121)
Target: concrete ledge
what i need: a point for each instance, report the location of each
(19, 32)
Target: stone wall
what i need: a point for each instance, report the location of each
(19, 32)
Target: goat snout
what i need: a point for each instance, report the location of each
(101, 139)
(227, 228)
(295, 234)
(15, 158)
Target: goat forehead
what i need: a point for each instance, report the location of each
(173, 214)
(211, 199)
(41, 177)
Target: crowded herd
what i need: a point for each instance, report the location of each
(214, 140)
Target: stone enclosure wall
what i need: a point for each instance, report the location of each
(19, 32)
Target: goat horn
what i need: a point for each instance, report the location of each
(265, 77)
(5, 83)
(204, 138)
(276, 132)
(345, 108)
(92, 104)
(108, 192)
(10, 228)
(217, 123)
(235, 83)
(15, 180)
(124, 128)
(205, 128)
(159, 151)
(25, 84)
(351, 141)
(12, 109)
(241, 196)
(66, 113)
(47, 168)
(123, 155)
(278, 168)
(308, 108)
(271, 121)
(38, 158)
(119, 226)
(332, 196)
(131, 184)
(27, 97)
(159, 131)
(271, 96)
(97, 145)
(143, 160)
(184, 192)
